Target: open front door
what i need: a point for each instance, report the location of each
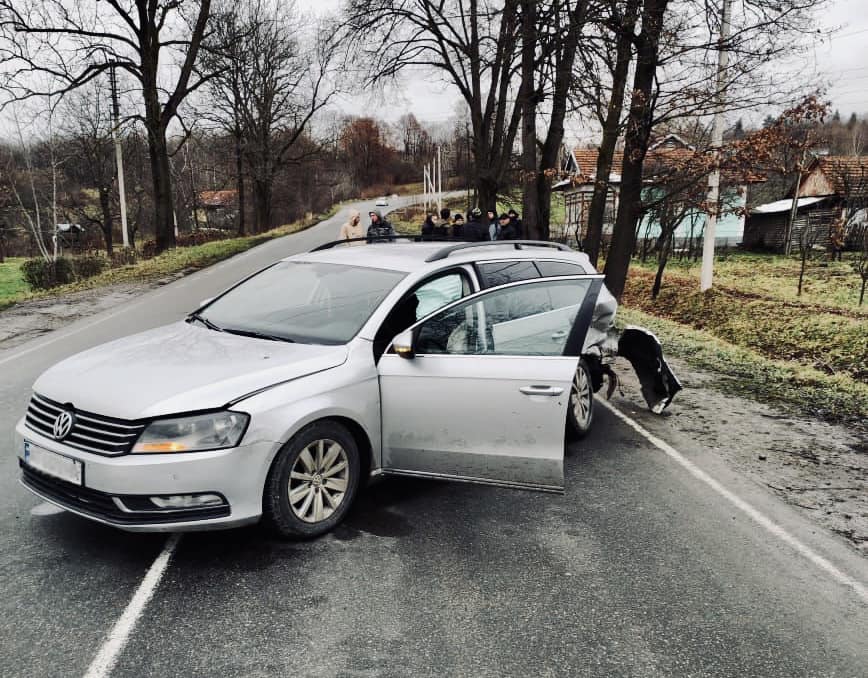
(484, 396)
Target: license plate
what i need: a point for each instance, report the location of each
(53, 464)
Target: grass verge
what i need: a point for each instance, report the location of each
(180, 259)
(835, 397)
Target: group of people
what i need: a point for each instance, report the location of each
(380, 230)
(479, 228)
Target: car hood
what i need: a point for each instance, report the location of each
(178, 368)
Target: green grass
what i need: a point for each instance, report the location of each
(12, 282)
(773, 276)
(810, 352)
(180, 259)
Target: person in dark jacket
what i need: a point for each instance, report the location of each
(458, 226)
(476, 230)
(441, 230)
(380, 229)
(515, 220)
(428, 227)
(507, 228)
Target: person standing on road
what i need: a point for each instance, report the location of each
(441, 230)
(428, 227)
(507, 228)
(518, 227)
(353, 229)
(476, 230)
(458, 226)
(493, 225)
(380, 229)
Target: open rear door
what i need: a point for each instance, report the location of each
(483, 395)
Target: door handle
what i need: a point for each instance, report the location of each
(560, 334)
(541, 390)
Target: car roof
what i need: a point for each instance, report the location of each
(410, 257)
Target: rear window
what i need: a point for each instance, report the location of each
(497, 273)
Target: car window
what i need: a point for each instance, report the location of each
(307, 302)
(553, 269)
(430, 295)
(438, 293)
(496, 273)
(530, 319)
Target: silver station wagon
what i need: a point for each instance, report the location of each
(281, 397)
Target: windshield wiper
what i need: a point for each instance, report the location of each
(258, 335)
(207, 323)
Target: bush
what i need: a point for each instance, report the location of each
(89, 265)
(42, 275)
(125, 256)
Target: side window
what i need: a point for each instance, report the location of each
(531, 319)
(553, 269)
(497, 273)
(439, 292)
(425, 299)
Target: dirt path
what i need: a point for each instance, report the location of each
(818, 467)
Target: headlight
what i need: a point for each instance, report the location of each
(214, 431)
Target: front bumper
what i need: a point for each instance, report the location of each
(115, 489)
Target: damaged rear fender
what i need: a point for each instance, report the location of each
(642, 348)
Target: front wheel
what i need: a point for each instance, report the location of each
(580, 413)
(312, 482)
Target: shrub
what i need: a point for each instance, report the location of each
(89, 265)
(42, 275)
(125, 256)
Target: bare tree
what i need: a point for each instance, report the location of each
(473, 45)
(56, 46)
(90, 155)
(274, 80)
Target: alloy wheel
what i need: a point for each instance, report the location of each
(318, 480)
(580, 397)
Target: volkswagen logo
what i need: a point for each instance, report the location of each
(63, 425)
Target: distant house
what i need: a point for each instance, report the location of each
(217, 209)
(834, 190)
(578, 189)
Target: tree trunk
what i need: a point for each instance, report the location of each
(527, 100)
(107, 224)
(611, 129)
(164, 222)
(862, 291)
(261, 205)
(639, 123)
(239, 182)
(802, 269)
(661, 265)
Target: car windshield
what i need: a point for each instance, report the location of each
(305, 302)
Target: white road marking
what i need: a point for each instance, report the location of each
(117, 638)
(765, 522)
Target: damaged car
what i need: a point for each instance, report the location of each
(281, 397)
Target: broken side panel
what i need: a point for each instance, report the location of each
(642, 348)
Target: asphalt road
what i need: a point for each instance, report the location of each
(640, 569)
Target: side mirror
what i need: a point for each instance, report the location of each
(205, 302)
(403, 345)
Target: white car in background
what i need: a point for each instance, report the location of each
(382, 202)
(281, 397)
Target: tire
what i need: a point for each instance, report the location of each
(313, 481)
(580, 409)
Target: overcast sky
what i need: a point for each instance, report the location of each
(842, 61)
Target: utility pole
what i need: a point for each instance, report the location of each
(119, 156)
(439, 180)
(707, 271)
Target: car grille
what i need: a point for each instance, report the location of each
(101, 505)
(89, 433)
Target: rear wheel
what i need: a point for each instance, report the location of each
(312, 482)
(580, 414)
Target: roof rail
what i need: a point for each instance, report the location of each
(391, 238)
(517, 244)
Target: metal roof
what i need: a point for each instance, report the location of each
(784, 205)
